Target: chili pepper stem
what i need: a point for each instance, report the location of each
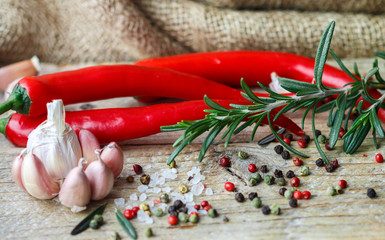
(3, 124)
(18, 100)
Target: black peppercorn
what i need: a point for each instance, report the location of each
(171, 209)
(371, 193)
(278, 149)
(278, 173)
(282, 191)
(290, 174)
(307, 138)
(183, 209)
(320, 162)
(335, 163)
(264, 169)
(239, 197)
(293, 202)
(329, 167)
(225, 219)
(285, 154)
(289, 136)
(178, 204)
(317, 133)
(253, 195)
(174, 213)
(266, 210)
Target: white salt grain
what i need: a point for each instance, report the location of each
(142, 188)
(142, 197)
(119, 202)
(151, 204)
(133, 197)
(161, 181)
(174, 170)
(166, 189)
(202, 212)
(209, 191)
(147, 167)
(189, 197)
(197, 189)
(163, 206)
(156, 190)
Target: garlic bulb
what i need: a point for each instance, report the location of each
(16, 169)
(75, 191)
(89, 143)
(36, 179)
(112, 156)
(100, 177)
(55, 143)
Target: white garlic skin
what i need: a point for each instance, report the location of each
(16, 170)
(112, 156)
(36, 179)
(89, 143)
(101, 179)
(75, 191)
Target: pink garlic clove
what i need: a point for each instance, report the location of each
(89, 144)
(16, 170)
(112, 156)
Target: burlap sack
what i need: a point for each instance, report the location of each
(73, 31)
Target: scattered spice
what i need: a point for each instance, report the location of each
(183, 188)
(115, 236)
(148, 232)
(207, 208)
(364, 155)
(171, 209)
(269, 180)
(144, 206)
(197, 207)
(321, 139)
(320, 162)
(335, 163)
(252, 168)
(371, 193)
(293, 203)
(288, 194)
(286, 140)
(317, 133)
(94, 224)
(302, 143)
(275, 210)
(379, 158)
(331, 191)
(280, 181)
(212, 213)
(306, 194)
(99, 219)
(137, 169)
(85, 223)
(330, 167)
(265, 210)
(172, 220)
(130, 179)
(243, 155)
(264, 169)
(278, 149)
(342, 183)
(129, 214)
(257, 203)
(306, 138)
(165, 198)
(282, 191)
(145, 179)
(253, 195)
(204, 203)
(294, 182)
(304, 170)
(148, 212)
(289, 136)
(339, 190)
(158, 212)
(229, 186)
(178, 204)
(239, 197)
(297, 195)
(341, 132)
(252, 181)
(193, 218)
(327, 146)
(290, 174)
(225, 219)
(224, 161)
(285, 154)
(297, 161)
(172, 164)
(182, 217)
(278, 173)
(257, 177)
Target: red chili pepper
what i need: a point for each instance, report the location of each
(117, 124)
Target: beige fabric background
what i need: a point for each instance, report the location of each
(73, 31)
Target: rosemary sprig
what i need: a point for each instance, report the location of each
(308, 95)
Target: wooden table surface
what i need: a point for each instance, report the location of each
(351, 215)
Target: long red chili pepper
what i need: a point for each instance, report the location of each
(117, 124)
(32, 94)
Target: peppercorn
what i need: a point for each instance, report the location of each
(320, 162)
(278, 149)
(229, 186)
(339, 190)
(280, 181)
(317, 133)
(265, 210)
(290, 174)
(165, 198)
(329, 167)
(224, 161)
(342, 183)
(294, 182)
(183, 188)
(197, 207)
(172, 220)
(306, 138)
(148, 212)
(212, 213)
(178, 204)
(94, 224)
(282, 191)
(171, 209)
(239, 197)
(99, 219)
(269, 180)
(129, 213)
(252, 181)
(289, 136)
(264, 169)
(207, 208)
(371, 193)
(331, 191)
(174, 213)
(144, 206)
(285, 154)
(287, 141)
(158, 212)
(148, 232)
(182, 217)
(183, 209)
(135, 210)
(278, 173)
(225, 219)
(304, 170)
(302, 143)
(335, 163)
(257, 177)
(321, 139)
(243, 155)
(297, 161)
(145, 179)
(288, 194)
(130, 179)
(379, 158)
(275, 210)
(193, 218)
(257, 203)
(115, 236)
(297, 195)
(204, 203)
(293, 203)
(252, 168)
(341, 133)
(306, 194)
(253, 195)
(172, 164)
(137, 169)
(327, 146)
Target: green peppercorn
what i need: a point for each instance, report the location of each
(144, 207)
(212, 213)
(304, 170)
(243, 155)
(252, 181)
(158, 212)
(193, 218)
(165, 198)
(275, 210)
(280, 182)
(182, 217)
(257, 177)
(115, 236)
(339, 190)
(331, 191)
(183, 188)
(172, 164)
(99, 219)
(145, 179)
(321, 139)
(148, 232)
(94, 224)
(288, 194)
(269, 180)
(293, 189)
(257, 203)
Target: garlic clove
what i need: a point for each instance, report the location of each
(75, 191)
(89, 143)
(100, 177)
(16, 170)
(112, 156)
(36, 179)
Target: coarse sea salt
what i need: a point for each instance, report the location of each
(142, 188)
(142, 197)
(209, 191)
(197, 189)
(133, 197)
(156, 190)
(189, 197)
(147, 167)
(166, 189)
(143, 217)
(119, 202)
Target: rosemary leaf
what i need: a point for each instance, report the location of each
(376, 123)
(270, 138)
(334, 131)
(126, 224)
(342, 66)
(323, 156)
(85, 223)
